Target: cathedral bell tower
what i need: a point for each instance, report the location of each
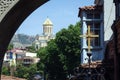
(47, 27)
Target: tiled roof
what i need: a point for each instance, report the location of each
(92, 7)
(93, 64)
(4, 77)
(17, 51)
(89, 8)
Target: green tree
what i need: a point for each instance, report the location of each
(31, 49)
(6, 70)
(61, 55)
(41, 53)
(10, 46)
(25, 71)
(53, 64)
(68, 42)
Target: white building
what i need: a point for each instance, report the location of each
(20, 56)
(41, 40)
(108, 15)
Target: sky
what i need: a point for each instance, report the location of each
(62, 13)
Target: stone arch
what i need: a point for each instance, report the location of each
(12, 14)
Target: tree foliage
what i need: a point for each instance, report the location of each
(5, 70)
(54, 66)
(42, 53)
(10, 46)
(68, 42)
(25, 72)
(62, 55)
(31, 49)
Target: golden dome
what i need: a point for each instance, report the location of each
(47, 22)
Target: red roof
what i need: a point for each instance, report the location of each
(89, 8)
(4, 77)
(16, 51)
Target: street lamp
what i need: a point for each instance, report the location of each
(89, 54)
(89, 61)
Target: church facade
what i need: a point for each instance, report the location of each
(47, 35)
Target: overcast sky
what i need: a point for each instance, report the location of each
(62, 13)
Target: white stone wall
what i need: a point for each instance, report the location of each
(31, 54)
(109, 17)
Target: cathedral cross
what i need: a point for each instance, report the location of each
(89, 35)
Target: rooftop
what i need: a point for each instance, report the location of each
(94, 64)
(90, 8)
(47, 22)
(4, 77)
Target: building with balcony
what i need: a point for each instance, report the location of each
(17, 56)
(100, 17)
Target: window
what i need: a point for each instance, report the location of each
(89, 16)
(97, 16)
(93, 16)
(95, 30)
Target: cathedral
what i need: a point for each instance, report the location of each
(47, 35)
